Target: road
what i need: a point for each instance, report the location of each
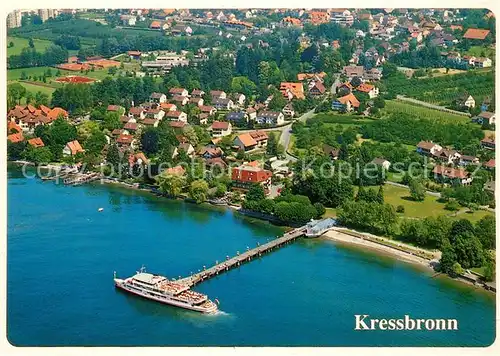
(431, 106)
(335, 84)
(286, 134)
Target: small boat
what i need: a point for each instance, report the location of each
(100, 209)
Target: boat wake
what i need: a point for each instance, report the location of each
(220, 313)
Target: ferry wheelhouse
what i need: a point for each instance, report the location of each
(160, 289)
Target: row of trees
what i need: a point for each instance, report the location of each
(30, 57)
(287, 207)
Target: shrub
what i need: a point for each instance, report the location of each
(400, 209)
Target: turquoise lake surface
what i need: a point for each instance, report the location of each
(62, 253)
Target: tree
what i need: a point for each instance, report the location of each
(243, 85)
(198, 190)
(150, 141)
(448, 258)
(485, 231)
(272, 145)
(452, 205)
(15, 92)
(31, 43)
(171, 184)
(95, 142)
(489, 269)
(380, 195)
(38, 155)
(417, 190)
(113, 155)
(256, 193)
(457, 269)
(278, 102)
(112, 121)
(220, 190)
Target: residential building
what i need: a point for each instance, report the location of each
(176, 116)
(252, 113)
(72, 148)
(126, 141)
(157, 98)
(137, 112)
(36, 142)
(451, 175)
(251, 140)
(208, 109)
(342, 17)
(381, 162)
(346, 103)
(369, 89)
(220, 128)
(180, 100)
(428, 148)
(186, 147)
(218, 94)
(292, 90)
(270, 118)
(316, 88)
(156, 114)
(14, 19)
(488, 143)
(239, 118)
(466, 100)
(239, 98)
(288, 110)
(245, 176)
(223, 104)
(482, 62)
(196, 101)
(197, 93)
(178, 91)
(466, 160)
(486, 117)
(15, 137)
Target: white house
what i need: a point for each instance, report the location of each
(239, 98)
(157, 98)
(176, 116)
(270, 118)
(220, 128)
(482, 62)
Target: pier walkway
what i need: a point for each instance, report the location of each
(243, 257)
(312, 229)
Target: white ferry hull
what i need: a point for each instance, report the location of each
(119, 283)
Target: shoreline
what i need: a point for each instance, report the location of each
(343, 236)
(339, 236)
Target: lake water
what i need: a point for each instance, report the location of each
(62, 253)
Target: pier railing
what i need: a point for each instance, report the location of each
(241, 258)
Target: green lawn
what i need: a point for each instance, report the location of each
(20, 43)
(15, 74)
(413, 209)
(35, 88)
(473, 216)
(394, 106)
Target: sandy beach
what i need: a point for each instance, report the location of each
(339, 236)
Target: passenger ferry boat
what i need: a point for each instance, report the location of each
(162, 290)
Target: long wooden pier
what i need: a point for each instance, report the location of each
(241, 258)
